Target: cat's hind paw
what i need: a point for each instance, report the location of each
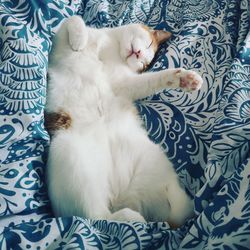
(78, 35)
(127, 214)
(189, 80)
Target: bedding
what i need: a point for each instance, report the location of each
(206, 134)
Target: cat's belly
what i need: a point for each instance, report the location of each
(130, 145)
(90, 146)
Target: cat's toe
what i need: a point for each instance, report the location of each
(190, 80)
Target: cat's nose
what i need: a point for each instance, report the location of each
(137, 53)
(132, 51)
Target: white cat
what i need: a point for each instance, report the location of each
(102, 165)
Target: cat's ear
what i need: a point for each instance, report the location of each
(160, 36)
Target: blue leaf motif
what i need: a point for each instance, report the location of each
(23, 72)
(12, 173)
(33, 178)
(6, 132)
(10, 240)
(232, 226)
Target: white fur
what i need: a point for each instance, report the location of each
(104, 166)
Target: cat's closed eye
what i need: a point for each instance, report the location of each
(150, 44)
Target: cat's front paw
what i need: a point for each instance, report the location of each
(189, 80)
(78, 34)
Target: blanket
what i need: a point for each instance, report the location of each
(206, 134)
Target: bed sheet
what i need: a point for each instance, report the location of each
(206, 134)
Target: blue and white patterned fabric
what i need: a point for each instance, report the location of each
(206, 134)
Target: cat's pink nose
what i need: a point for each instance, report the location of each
(133, 52)
(137, 53)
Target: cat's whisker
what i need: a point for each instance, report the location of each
(150, 44)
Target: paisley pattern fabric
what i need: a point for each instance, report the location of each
(206, 134)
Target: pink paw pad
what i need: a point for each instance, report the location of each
(190, 80)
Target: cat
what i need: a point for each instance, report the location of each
(101, 163)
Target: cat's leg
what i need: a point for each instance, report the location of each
(154, 190)
(182, 207)
(143, 85)
(77, 175)
(78, 34)
(72, 33)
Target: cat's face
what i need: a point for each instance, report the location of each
(139, 44)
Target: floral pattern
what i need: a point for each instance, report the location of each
(206, 134)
